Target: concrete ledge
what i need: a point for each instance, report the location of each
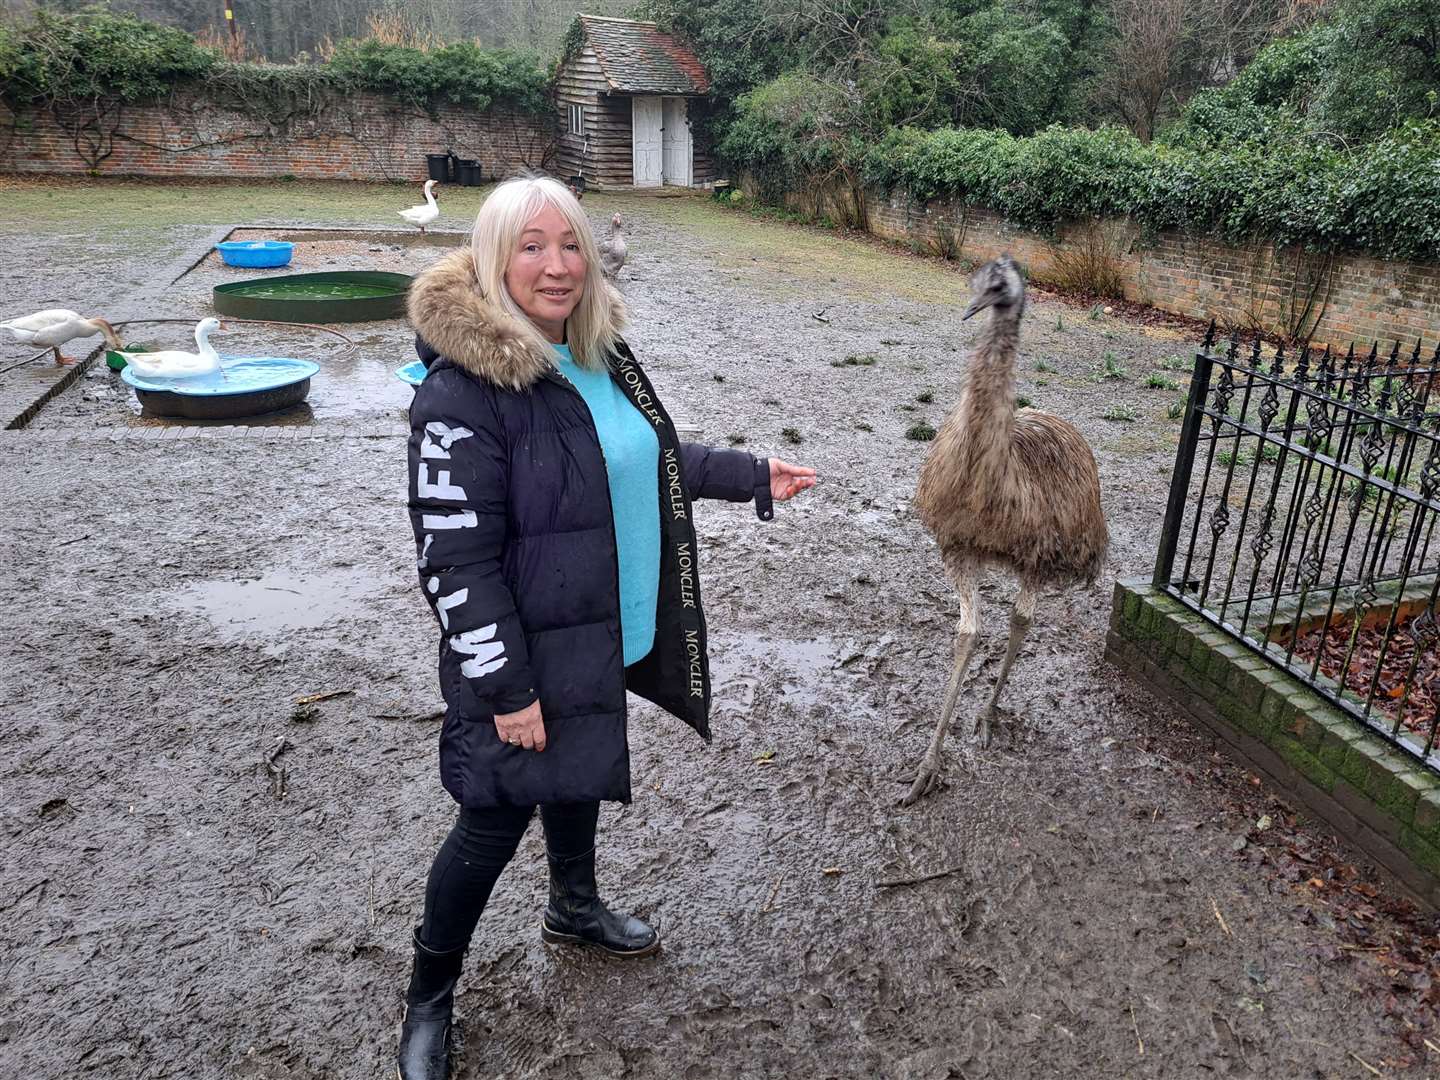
(1380, 798)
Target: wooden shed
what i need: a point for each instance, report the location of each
(629, 95)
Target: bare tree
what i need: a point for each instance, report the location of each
(1164, 50)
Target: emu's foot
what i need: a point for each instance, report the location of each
(932, 767)
(984, 725)
(66, 361)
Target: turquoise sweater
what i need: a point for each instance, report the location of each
(632, 462)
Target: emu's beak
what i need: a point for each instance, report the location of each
(975, 306)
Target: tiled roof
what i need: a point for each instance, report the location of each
(638, 58)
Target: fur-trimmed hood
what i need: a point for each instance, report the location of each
(447, 311)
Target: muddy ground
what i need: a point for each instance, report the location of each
(1109, 906)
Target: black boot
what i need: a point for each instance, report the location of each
(425, 1034)
(576, 916)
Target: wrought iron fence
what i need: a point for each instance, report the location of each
(1301, 518)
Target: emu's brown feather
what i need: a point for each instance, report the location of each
(1018, 490)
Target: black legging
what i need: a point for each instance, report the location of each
(477, 850)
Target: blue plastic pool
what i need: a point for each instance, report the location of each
(255, 253)
(412, 373)
(238, 375)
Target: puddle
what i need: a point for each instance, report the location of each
(799, 664)
(732, 655)
(278, 602)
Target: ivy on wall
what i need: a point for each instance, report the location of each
(85, 68)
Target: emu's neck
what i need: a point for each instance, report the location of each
(988, 403)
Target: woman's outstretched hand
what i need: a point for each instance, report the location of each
(525, 728)
(787, 481)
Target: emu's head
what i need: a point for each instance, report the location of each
(997, 284)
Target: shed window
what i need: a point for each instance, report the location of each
(577, 119)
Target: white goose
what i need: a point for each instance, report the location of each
(176, 364)
(53, 327)
(423, 215)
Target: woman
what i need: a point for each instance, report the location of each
(551, 501)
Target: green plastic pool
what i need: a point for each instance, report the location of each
(333, 296)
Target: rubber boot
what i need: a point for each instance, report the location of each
(576, 915)
(425, 1034)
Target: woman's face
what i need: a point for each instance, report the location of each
(547, 272)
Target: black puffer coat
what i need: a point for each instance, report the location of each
(510, 504)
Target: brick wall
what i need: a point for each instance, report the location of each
(359, 137)
(1332, 299)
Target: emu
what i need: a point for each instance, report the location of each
(1015, 490)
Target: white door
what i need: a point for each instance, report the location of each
(646, 122)
(676, 142)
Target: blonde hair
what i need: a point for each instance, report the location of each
(591, 330)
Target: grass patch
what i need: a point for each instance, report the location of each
(1097, 311)
(1268, 452)
(1044, 368)
(921, 432)
(1021, 401)
(1120, 412)
(853, 360)
(792, 436)
(862, 426)
(925, 397)
(718, 377)
(1156, 381)
(735, 440)
(1174, 363)
(1175, 410)
(1110, 368)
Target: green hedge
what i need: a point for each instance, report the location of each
(68, 59)
(462, 73)
(1382, 198)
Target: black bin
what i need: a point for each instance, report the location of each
(438, 165)
(468, 173)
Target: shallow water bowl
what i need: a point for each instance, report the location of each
(412, 373)
(246, 386)
(329, 297)
(255, 252)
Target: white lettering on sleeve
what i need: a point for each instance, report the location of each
(447, 435)
(443, 604)
(441, 488)
(464, 519)
(486, 654)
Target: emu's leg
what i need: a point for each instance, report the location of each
(933, 763)
(1020, 619)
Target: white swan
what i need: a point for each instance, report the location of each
(55, 326)
(176, 364)
(423, 215)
